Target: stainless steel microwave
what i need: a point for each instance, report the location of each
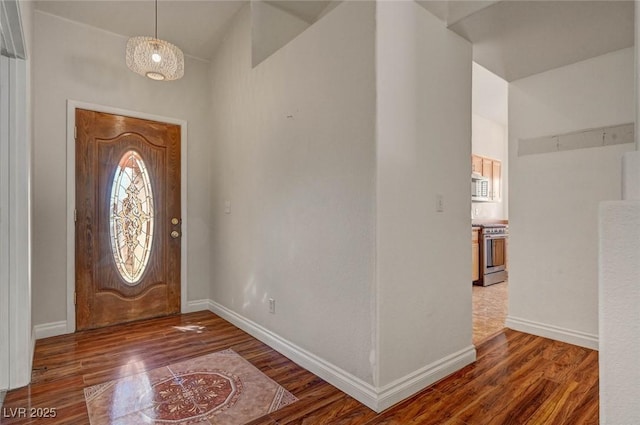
(479, 188)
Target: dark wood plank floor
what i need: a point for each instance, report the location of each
(517, 379)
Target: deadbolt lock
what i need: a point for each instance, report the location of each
(175, 221)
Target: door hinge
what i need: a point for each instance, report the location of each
(75, 215)
(75, 298)
(75, 132)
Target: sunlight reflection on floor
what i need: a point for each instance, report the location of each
(190, 328)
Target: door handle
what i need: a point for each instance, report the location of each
(175, 233)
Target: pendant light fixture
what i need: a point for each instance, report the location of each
(155, 58)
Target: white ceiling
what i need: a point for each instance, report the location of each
(451, 11)
(513, 39)
(490, 95)
(516, 39)
(196, 26)
(307, 10)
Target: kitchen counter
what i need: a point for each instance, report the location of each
(479, 222)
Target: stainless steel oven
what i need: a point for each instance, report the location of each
(493, 254)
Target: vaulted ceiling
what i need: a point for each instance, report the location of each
(513, 39)
(197, 26)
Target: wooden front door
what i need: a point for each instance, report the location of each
(127, 219)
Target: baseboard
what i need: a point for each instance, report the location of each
(196, 305)
(410, 384)
(33, 347)
(47, 330)
(557, 333)
(352, 385)
(375, 398)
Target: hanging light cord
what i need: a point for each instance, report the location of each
(156, 19)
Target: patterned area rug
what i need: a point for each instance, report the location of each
(217, 389)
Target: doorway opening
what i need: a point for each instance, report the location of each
(489, 206)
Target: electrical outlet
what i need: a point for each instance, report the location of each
(272, 306)
(227, 207)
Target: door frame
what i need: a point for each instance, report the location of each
(72, 105)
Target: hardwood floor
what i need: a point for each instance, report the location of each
(517, 379)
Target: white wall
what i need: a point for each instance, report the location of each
(619, 311)
(74, 61)
(294, 153)
(489, 136)
(489, 139)
(22, 343)
(554, 197)
(4, 225)
(619, 292)
(271, 28)
(15, 149)
(338, 223)
(423, 149)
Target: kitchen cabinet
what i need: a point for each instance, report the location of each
(487, 168)
(492, 170)
(476, 164)
(475, 254)
(495, 185)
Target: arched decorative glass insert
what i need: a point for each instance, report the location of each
(131, 217)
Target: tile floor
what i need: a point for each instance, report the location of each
(490, 304)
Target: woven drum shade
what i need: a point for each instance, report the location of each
(154, 58)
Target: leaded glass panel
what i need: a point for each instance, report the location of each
(131, 217)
